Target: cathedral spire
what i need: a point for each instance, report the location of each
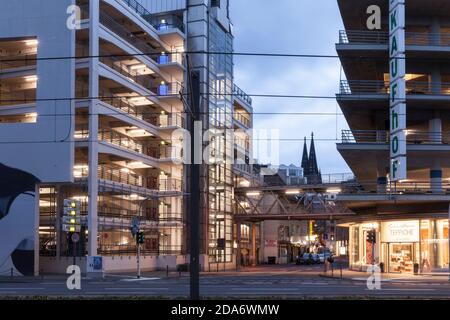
(313, 171)
(305, 161)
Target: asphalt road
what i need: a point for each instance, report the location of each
(291, 282)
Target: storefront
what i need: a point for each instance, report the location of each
(400, 244)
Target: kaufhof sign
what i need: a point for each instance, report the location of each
(400, 231)
(397, 67)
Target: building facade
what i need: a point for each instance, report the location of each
(105, 129)
(409, 216)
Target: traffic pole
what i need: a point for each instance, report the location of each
(138, 260)
(194, 205)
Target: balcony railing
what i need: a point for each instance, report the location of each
(168, 89)
(398, 188)
(144, 80)
(242, 119)
(166, 120)
(379, 37)
(120, 176)
(241, 94)
(383, 137)
(120, 140)
(165, 152)
(165, 58)
(161, 22)
(126, 35)
(382, 87)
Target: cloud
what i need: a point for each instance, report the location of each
(292, 26)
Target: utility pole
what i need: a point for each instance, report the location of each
(194, 193)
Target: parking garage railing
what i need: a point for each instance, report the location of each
(383, 136)
(381, 37)
(351, 87)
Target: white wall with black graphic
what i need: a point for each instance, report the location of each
(41, 152)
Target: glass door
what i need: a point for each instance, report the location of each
(401, 257)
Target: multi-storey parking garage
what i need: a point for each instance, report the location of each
(410, 216)
(99, 111)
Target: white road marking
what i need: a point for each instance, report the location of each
(120, 288)
(140, 279)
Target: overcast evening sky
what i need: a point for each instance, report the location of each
(299, 27)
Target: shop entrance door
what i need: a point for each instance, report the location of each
(401, 257)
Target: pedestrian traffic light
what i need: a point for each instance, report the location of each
(371, 236)
(140, 238)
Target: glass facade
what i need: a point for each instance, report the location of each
(220, 119)
(401, 244)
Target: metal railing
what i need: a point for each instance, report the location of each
(382, 136)
(170, 184)
(165, 152)
(167, 120)
(18, 60)
(382, 87)
(144, 80)
(381, 37)
(164, 58)
(399, 188)
(168, 89)
(159, 22)
(120, 176)
(245, 120)
(126, 35)
(241, 94)
(121, 140)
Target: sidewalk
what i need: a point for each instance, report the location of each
(387, 277)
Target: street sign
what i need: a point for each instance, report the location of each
(71, 220)
(75, 237)
(69, 228)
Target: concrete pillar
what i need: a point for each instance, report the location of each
(436, 80)
(449, 241)
(381, 180)
(36, 229)
(435, 30)
(436, 179)
(253, 244)
(435, 130)
(94, 12)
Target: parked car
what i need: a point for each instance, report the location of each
(308, 258)
(305, 258)
(325, 255)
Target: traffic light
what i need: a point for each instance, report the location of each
(71, 220)
(371, 236)
(140, 239)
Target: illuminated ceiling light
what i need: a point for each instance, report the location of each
(245, 183)
(81, 166)
(292, 192)
(125, 170)
(334, 190)
(33, 42)
(253, 194)
(31, 78)
(137, 66)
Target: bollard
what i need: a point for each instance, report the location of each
(217, 264)
(340, 265)
(167, 271)
(12, 272)
(332, 270)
